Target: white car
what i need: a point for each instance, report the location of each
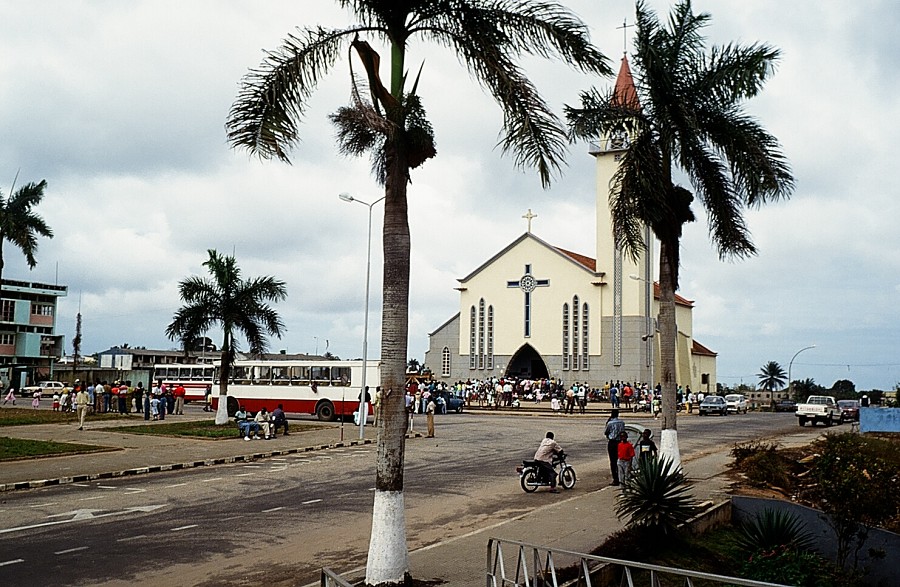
(735, 402)
(47, 388)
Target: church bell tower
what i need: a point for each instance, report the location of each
(630, 301)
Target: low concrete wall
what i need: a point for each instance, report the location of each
(879, 419)
(881, 572)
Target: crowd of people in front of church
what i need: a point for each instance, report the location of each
(511, 392)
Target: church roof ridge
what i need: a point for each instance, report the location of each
(573, 257)
(699, 349)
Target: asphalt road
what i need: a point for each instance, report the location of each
(278, 521)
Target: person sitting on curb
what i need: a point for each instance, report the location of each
(279, 420)
(262, 420)
(245, 425)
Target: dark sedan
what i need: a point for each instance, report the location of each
(785, 405)
(849, 410)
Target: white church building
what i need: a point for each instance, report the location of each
(535, 310)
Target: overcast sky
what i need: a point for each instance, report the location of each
(121, 106)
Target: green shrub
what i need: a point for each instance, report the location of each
(656, 496)
(774, 529)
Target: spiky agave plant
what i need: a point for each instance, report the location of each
(771, 529)
(656, 497)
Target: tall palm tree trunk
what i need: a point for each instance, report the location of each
(388, 559)
(668, 336)
(224, 375)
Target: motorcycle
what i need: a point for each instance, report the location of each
(532, 475)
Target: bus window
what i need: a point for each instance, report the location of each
(208, 373)
(321, 375)
(299, 375)
(240, 375)
(340, 376)
(184, 374)
(280, 375)
(262, 374)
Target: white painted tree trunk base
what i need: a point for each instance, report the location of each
(388, 562)
(668, 447)
(222, 411)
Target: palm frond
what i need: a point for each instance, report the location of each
(273, 97)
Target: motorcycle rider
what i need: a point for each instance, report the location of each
(544, 458)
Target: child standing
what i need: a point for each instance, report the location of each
(36, 402)
(55, 402)
(626, 454)
(646, 448)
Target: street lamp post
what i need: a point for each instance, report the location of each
(365, 345)
(791, 364)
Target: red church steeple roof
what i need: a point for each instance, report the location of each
(625, 93)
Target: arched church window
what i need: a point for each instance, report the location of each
(445, 362)
(576, 327)
(585, 322)
(472, 343)
(565, 337)
(490, 337)
(481, 333)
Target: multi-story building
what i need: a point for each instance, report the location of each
(29, 344)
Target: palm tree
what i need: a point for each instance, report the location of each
(685, 115)
(235, 305)
(19, 224)
(772, 376)
(389, 123)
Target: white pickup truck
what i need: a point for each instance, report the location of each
(819, 408)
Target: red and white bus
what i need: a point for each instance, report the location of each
(328, 389)
(194, 378)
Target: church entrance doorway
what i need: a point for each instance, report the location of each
(527, 364)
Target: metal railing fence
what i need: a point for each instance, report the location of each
(518, 564)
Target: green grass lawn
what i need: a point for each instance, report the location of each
(17, 448)
(202, 429)
(26, 416)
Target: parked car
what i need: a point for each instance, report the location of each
(713, 404)
(849, 410)
(785, 405)
(47, 388)
(453, 402)
(735, 402)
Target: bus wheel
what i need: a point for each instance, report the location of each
(231, 404)
(325, 411)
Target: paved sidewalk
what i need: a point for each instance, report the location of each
(135, 454)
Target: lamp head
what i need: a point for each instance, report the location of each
(346, 197)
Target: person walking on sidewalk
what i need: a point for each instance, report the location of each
(614, 428)
(82, 402)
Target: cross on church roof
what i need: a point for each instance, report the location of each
(528, 216)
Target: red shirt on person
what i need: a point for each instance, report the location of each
(626, 451)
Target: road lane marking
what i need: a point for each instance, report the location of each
(106, 487)
(245, 474)
(189, 526)
(175, 485)
(310, 501)
(12, 562)
(42, 505)
(210, 480)
(130, 538)
(90, 498)
(270, 510)
(82, 514)
(68, 550)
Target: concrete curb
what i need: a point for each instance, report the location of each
(38, 483)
